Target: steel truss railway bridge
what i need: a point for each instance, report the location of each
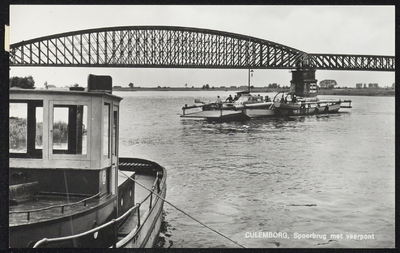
(178, 47)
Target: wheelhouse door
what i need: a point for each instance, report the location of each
(114, 141)
(115, 137)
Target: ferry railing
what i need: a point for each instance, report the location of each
(217, 107)
(28, 212)
(113, 222)
(186, 107)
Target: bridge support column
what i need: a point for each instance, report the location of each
(303, 83)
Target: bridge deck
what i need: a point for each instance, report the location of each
(152, 46)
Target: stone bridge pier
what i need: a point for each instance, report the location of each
(303, 82)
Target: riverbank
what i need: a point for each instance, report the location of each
(358, 92)
(337, 91)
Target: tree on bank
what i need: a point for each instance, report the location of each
(130, 85)
(206, 87)
(22, 82)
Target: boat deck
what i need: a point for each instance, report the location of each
(47, 207)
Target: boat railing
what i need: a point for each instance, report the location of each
(114, 222)
(28, 212)
(94, 230)
(156, 184)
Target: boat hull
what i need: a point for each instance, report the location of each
(334, 108)
(259, 113)
(147, 235)
(27, 235)
(286, 106)
(328, 108)
(318, 107)
(217, 115)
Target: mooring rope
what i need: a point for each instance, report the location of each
(183, 211)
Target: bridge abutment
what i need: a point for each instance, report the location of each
(303, 83)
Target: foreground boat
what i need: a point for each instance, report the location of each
(68, 187)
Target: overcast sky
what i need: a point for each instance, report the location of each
(365, 30)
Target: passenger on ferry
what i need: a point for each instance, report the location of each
(218, 101)
(294, 99)
(266, 98)
(229, 99)
(235, 98)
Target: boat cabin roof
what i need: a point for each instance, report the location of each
(250, 98)
(30, 94)
(63, 129)
(240, 93)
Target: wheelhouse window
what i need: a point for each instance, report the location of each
(26, 129)
(69, 129)
(106, 130)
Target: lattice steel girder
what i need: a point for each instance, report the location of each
(177, 47)
(352, 62)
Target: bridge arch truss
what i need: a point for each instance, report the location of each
(177, 47)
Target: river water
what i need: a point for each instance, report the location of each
(316, 181)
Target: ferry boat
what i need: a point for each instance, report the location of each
(68, 187)
(255, 106)
(301, 100)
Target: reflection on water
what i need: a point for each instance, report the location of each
(327, 174)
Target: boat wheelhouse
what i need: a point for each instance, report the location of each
(68, 187)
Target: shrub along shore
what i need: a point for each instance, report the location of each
(336, 91)
(358, 92)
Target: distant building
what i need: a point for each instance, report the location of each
(373, 85)
(359, 85)
(393, 85)
(50, 86)
(327, 84)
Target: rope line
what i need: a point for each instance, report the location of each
(184, 212)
